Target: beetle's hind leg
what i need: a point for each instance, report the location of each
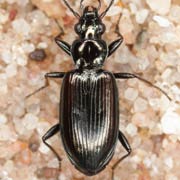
(51, 132)
(129, 76)
(126, 146)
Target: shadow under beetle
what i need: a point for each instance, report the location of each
(89, 107)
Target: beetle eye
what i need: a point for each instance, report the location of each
(101, 28)
(77, 28)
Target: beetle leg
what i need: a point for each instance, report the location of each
(47, 75)
(129, 75)
(51, 132)
(126, 146)
(63, 45)
(114, 45)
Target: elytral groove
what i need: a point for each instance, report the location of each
(89, 118)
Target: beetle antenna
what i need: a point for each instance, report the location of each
(81, 5)
(71, 9)
(104, 13)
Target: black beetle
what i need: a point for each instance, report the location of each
(89, 108)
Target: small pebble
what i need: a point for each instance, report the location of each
(3, 119)
(174, 14)
(33, 108)
(115, 10)
(7, 56)
(54, 163)
(43, 148)
(28, 47)
(155, 170)
(23, 2)
(9, 166)
(141, 16)
(62, 177)
(42, 128)
(30, 121)
(159, 6)
(133, 8)
(131, 94)
(21, 60)
(34, 146)
(143, 64)
(171, 177)
(18, 146)
(3, 88)
(11, 70)
(140, 105)
(171, 123)
(47, 1)
(140, 119)
(26, 157)
(3, 16)
(148, 162)
(163, 22)
(136, 159)
(47, 173)
(38, 55)
(21, 26)
(42, 45)
(131, 129)
(169, 162)
(6, 133)
(166, 73)
(12, 14)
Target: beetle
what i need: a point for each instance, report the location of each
(89, 107)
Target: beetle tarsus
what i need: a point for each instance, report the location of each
(115, 44)
(47, 75)
(129, 76)
(117, 30)
(123, 140)
(61, 29)
(51, 132)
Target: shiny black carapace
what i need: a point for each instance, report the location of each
(89, 108)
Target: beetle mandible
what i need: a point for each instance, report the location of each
(89, 107)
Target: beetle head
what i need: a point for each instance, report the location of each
(90, 24)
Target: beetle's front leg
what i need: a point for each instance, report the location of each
(129, 76)
(115, 44)
(48, 75)
(63, 45)
(126, 146)
(51, 132)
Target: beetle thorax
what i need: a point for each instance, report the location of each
(89, 51)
